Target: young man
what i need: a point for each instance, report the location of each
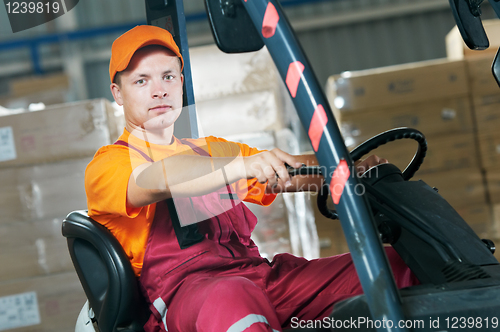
(199, 268)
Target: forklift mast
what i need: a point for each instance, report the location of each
(169, 15)
(274, 30)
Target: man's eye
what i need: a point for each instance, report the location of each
(168, 77)
(141, 81)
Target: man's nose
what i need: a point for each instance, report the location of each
(159, 91)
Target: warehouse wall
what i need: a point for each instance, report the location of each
(337, 35)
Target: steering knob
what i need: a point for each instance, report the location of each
(385, 172)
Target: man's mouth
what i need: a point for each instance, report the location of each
(161, 108)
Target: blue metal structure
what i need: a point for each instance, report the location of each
(170, 16)
(35, 42)
(365, 246)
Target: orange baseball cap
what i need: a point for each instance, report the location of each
(126, 45)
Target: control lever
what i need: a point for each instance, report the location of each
(322, 194)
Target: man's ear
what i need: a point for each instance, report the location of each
(182, 83)
(117, 94)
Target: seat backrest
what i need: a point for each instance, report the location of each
(106, 274)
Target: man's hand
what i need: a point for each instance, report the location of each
(364, 165)
(267, 166)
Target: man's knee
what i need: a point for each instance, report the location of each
(237, 304)
(236, 289)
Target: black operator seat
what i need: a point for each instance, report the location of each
(106, 275)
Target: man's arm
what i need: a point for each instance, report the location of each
(184, 176)
(314, 182)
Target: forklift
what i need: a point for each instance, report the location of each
(459, 276)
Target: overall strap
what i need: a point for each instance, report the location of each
(195, 148)
(187, 235)
(148, 158)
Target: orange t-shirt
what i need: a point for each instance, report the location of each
(107, 176)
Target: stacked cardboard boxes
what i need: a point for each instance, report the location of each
(485, 98)
(433, 97)
(43, 156)
(485, 95)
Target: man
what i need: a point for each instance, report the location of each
(199, 268)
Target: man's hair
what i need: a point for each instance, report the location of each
(118, 78)
(118, 75)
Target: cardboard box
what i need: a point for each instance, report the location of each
(439, 117)
(41, 304)
(47, 89)
(331, 237)
(481, 78)
(445, 152)
(252, 112)
(489, 146)
(35, 248)
(66, 131)
(42, 191)
(48, 98)
(461, 188)
(236, 73)
(35, 84)
(479, 218)
(493, 185)
(397, 85)
(457, 50)
(488, 117)
(490, 99)
(495, 232)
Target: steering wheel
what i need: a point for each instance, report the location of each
(373, 143)
(392, 135)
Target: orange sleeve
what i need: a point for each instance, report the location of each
(106, 182)
(248, 190)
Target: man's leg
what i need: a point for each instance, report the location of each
(210, 303)
(309, 289)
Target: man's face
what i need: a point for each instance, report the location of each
(150, 89)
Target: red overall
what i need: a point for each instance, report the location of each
(210, 277)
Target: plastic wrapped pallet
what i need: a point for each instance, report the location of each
(41, 304)
(236, 93)
(217, 75)
(34, 200)
(42, 191)
(239, 114)
(66, 131)
(33, 248)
